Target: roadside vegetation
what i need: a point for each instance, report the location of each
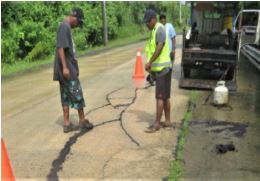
(29, 28)
(177, 166)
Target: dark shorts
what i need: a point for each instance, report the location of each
(71, 94)
(163, 84)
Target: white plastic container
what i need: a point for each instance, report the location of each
(220, 94)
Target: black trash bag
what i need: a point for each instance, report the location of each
(223, 148)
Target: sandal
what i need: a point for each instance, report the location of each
(85, 124)
(152, 129)
(69, 128)
(167, 125)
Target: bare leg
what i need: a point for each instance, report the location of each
(159, 111)
(66, 115)
(167, 111)
(83, 122)
(81, 115)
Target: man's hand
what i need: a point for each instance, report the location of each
(66, 73)
(148, 66)
(172, 55)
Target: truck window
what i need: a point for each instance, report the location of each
(250, 19)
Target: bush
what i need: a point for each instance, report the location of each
(10, 44)
(29, 28)
(40, 50)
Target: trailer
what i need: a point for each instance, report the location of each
(209, 49)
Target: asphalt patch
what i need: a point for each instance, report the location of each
(218, 126)
(58, 162)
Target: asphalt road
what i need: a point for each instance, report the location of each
(116, 148)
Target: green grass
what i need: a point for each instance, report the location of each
(176, 166)
(22, 66)
(178, 29)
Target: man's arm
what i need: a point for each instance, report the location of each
(160, 42)
(156, 54)
(65, 70)
(174, 44)
(61, 44)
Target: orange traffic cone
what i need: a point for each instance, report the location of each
(139, 72)
(6, 171)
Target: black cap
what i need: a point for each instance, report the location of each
(162, 16)
(78, 13)
(149, 14)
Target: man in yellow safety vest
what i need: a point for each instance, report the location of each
(160, 66)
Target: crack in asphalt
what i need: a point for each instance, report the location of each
(107, 162)
(105, 122)
(108, 99)
(57, 164)
(121, 124)
(121, 119)
(92, 110)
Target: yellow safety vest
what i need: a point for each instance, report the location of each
(163, 60)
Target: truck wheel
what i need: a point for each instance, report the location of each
(186, 72)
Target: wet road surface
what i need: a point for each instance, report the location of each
(238, 125)
(116, 148)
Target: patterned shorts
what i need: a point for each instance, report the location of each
(71, 94)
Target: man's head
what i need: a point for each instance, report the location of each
(76, 17)
(150, 18)
(163, 19)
